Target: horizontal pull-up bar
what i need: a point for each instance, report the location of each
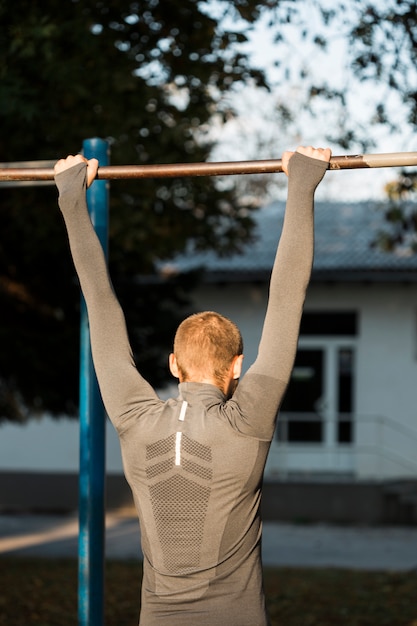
(345, 162)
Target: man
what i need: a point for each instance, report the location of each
(195, 463)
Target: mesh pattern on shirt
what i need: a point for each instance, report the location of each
(203, 472)
(180, 508)
(159, 468)
(196, 449)
(160, 447)
(179, 501)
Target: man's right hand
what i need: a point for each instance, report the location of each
(323, 154)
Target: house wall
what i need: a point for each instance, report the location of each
(385, 406)
(386, 375)
(50, 446)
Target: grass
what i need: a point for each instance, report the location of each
(43, 592)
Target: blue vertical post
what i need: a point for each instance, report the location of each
(92, 432)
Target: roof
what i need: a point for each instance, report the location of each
(344, 233)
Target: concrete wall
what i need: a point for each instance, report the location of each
(370, 503)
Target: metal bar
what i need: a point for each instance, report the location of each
(92, 433)
(178, 170)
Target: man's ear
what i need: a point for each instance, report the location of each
(173, 365)
(237, 366)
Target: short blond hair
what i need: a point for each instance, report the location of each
(205, 344)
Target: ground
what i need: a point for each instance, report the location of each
(43, 592)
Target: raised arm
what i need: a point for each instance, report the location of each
(262, 388)
(293, 263)
(120, 383)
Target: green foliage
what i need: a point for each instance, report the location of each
(400, 232)
(379, 43)
(375, 45)
(149, 76)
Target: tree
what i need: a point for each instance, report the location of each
(385, 52)
(354, 64)
(149, 76)
(400, 231)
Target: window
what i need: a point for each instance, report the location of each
(318, 404)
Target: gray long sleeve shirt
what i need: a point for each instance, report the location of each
(195, 463)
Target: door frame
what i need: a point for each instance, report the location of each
(327, 456)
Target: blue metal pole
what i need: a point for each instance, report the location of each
(92, 432)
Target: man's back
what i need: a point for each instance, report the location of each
(196, 483)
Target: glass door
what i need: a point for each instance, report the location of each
(318, 405)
